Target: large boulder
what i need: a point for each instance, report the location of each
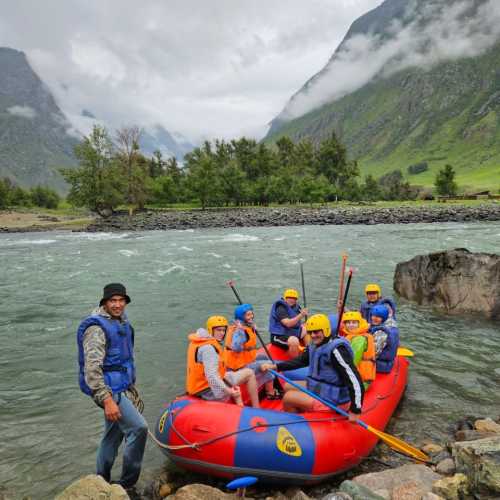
(400, 481)
(92, 487)
(480, 462)
(200, 492)
(456, 281)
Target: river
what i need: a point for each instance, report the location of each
(49, 431)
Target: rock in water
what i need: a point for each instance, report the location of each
(456, 281)
(93, 486)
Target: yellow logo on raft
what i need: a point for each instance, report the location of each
(161, 423)
(287, 444)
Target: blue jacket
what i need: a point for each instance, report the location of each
(385, 360)
(366, 307)
(322, 378)
(275, 325)
(118, 365)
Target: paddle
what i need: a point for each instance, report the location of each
(341, 281)
(407, 353)
(391, 441)
(303, 286)
(230, 283)
(344, 300)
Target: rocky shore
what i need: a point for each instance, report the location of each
(465, 467)
(290, 216)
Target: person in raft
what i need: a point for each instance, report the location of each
(386, 335)
(374, 297)
(332, 373)
(207, 377)
(354, 329)
(241, 349)
(107, 373)
(285, 322)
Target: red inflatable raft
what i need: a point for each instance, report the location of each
(226, 440)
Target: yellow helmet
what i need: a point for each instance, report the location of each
(214, 322)
(352, 316)
(373, 288)
(291, 293)
(319, 322)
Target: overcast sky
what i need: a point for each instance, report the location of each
(205, 68)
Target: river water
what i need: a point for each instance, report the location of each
(49, 431)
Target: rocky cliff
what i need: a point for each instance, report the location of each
(35, 136)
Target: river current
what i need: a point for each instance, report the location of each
(49, 431)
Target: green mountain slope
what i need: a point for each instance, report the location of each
(34, 138)
(448, 113)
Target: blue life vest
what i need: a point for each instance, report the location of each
(276, 327)
(366, 307)
(322, 378)
(118, 365)
(385, 360)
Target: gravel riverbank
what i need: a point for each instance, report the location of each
(290, 216)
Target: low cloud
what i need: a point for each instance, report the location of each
(437, 32)
(22, 111)
(207, 69)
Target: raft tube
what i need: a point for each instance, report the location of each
(228, 441)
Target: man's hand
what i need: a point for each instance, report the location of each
(353, 417)
(304, 312)
(264, 367)
(111, 410)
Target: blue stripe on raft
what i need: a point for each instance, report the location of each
(288, 445)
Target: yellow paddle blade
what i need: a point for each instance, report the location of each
(403, 351)
(399, 445)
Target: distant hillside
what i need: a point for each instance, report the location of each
(445, 112)
(35, 135)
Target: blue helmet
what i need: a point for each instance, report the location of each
(381, 311)
(240, 311)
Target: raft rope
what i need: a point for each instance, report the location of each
(198, 445)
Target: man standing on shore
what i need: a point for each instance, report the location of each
(107, 374)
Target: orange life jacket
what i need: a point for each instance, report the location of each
(195, 376)
(367, 366)
(236, 360)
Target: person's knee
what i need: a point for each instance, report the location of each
(293, 341)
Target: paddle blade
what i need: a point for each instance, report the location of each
(399, 445)
(407, 353)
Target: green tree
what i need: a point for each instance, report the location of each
(370, 190)
(313, 189)
(156, 165)
(19, 197)
(98, 182)
(445, 181)
(333, 164)
(44, 197)
(132, 164)
(203, 176)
